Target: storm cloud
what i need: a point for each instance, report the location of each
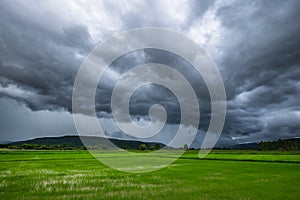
(255, 44)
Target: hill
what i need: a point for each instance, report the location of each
(246, 146)
(76, 142)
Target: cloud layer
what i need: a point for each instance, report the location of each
(255, 44)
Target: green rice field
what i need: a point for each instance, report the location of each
(223, 174)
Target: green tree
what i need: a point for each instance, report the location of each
(152, 148)
(142, 147)
(185, 147)
(157, 146)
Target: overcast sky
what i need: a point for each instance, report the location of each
(255, 44)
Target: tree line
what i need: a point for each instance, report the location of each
(71, 147)
(281, 145)
(43, 147)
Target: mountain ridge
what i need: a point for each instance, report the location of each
(86, 141)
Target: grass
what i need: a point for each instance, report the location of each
(221, 175)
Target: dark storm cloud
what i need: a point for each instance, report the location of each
(145, 97)
(261, 63)
(255, 44)
(39, 60)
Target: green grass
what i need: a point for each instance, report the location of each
(221, 175)
(249, 155)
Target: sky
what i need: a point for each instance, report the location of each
(255, 45)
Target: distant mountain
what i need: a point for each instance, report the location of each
(90, 141)
(93, 142)
(5, 142)
(246, 146)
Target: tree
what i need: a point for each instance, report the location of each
(142, 147)
(152, 148)
(157, 146)
(185, 147)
